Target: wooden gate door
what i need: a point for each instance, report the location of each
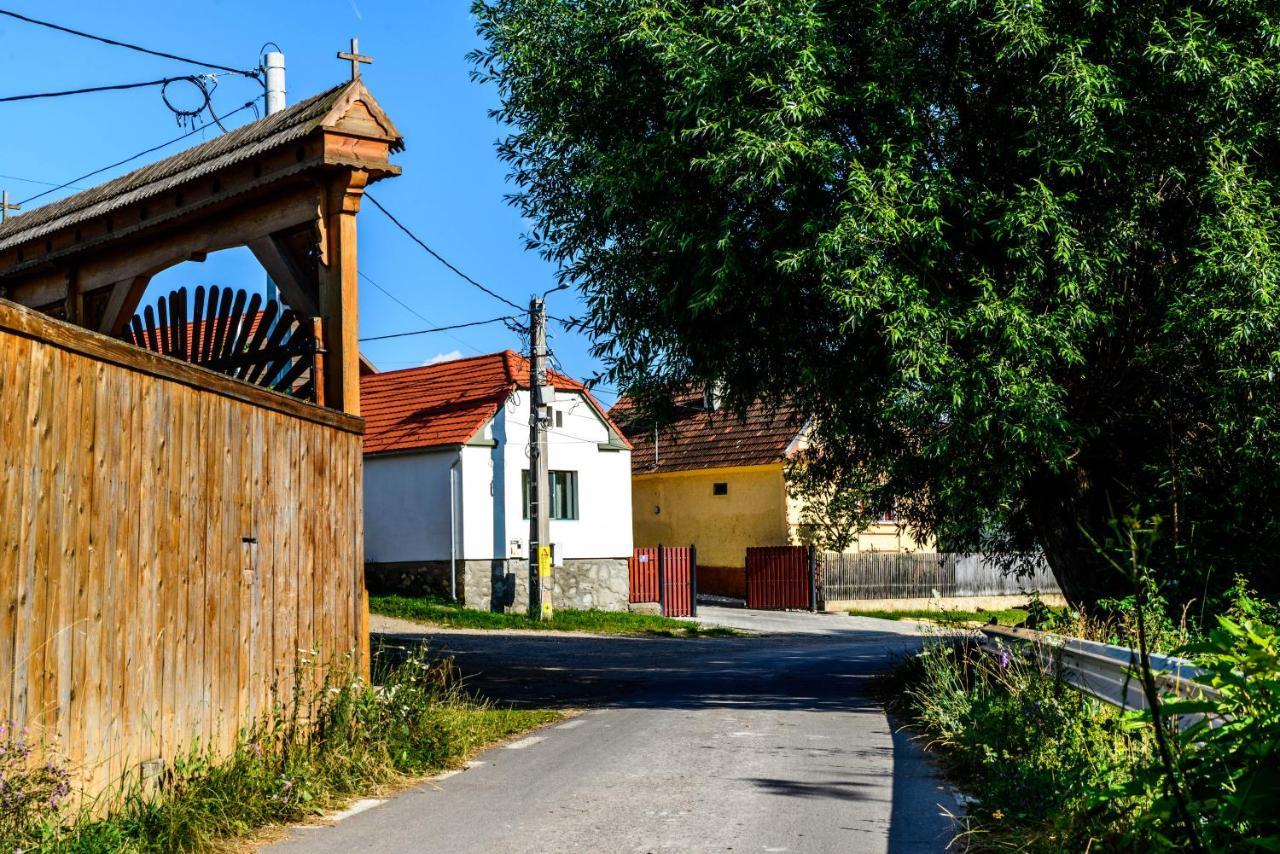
(779, 578)
(666, 575)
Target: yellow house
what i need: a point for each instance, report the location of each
(718, 482)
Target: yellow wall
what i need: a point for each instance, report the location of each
(754, 513)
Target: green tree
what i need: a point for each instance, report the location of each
(1017, 261)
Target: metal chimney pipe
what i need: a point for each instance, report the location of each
(275, 82)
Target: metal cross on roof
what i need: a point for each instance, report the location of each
(5, 207)
(355, 58)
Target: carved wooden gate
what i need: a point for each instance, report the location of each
(233, 333)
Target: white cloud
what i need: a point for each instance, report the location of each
(444, 357)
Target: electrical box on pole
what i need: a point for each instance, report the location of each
(540, 581)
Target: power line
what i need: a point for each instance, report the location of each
(34, 181)
(254, 73)
(112, 88)
(434, 254)
(131, 158)
(412, 311)
(438, 329)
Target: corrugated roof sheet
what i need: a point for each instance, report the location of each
(448, 403)
(244, 142)
(709, 439)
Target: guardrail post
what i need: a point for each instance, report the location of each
(693, 581)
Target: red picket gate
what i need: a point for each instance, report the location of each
(778, 578)
(644, 576)
(666, 575)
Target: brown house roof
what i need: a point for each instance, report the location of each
(709, 439)
(447, 404)
(240, 144)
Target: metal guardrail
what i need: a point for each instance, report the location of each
(1108, 672)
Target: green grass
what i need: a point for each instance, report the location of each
(343, 739)
(1005, 617)
(443, 613)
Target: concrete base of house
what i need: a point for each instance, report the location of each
(503, 585)
(948, 603)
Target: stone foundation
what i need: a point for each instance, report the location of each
(411, 578)
(583, 583)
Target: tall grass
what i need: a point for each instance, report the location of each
(337, 738)
(1030, 750)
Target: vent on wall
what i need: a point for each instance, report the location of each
(719, 489)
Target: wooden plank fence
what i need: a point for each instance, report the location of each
(170, 539)
(665, 575)
(778, 578)
(917, 575)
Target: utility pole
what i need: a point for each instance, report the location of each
(540, 585)
(274, 62)
(5, 207)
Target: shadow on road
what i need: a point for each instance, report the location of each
(805, 673)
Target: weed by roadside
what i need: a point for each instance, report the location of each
(334, 740)
(1051, 769)
(450, 614)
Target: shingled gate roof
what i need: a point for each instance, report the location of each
(708, 439)
(447, 403)
(286, 126)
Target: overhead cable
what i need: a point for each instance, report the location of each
(133, 157)
(253, 73)
(437, 329)
(115, 87)
(434, 254)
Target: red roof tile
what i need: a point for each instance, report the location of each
(709, 439)
(447, 403)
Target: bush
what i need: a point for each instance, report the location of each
(1052, 769)
(1226, 761)
(1029, 748)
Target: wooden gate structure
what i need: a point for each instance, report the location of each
(780, 578)
(171, 534)
(665, 575)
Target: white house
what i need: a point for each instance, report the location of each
(445, 476)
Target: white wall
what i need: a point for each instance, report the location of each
(406, 507)
(407, 496)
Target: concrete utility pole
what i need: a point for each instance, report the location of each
(539, 477)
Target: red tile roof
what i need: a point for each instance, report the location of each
(447, 403)
(709, 439)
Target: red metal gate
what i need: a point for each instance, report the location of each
(666, 575)
(778, 578)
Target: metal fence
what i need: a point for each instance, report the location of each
(922, 575)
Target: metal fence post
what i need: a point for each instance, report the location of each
(813, 579)
(662, 579)
(693, 581)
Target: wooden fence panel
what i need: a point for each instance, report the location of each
(666, 575)
(778, 577)
(920, 575)
(169, 539)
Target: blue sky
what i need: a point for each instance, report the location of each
(451, 192)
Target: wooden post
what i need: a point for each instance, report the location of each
(693, 580)
(338, 288)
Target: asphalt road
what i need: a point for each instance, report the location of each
(771, 743)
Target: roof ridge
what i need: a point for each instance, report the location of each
(261, 131)
(439, 364)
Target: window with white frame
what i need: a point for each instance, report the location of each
(564, 494)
